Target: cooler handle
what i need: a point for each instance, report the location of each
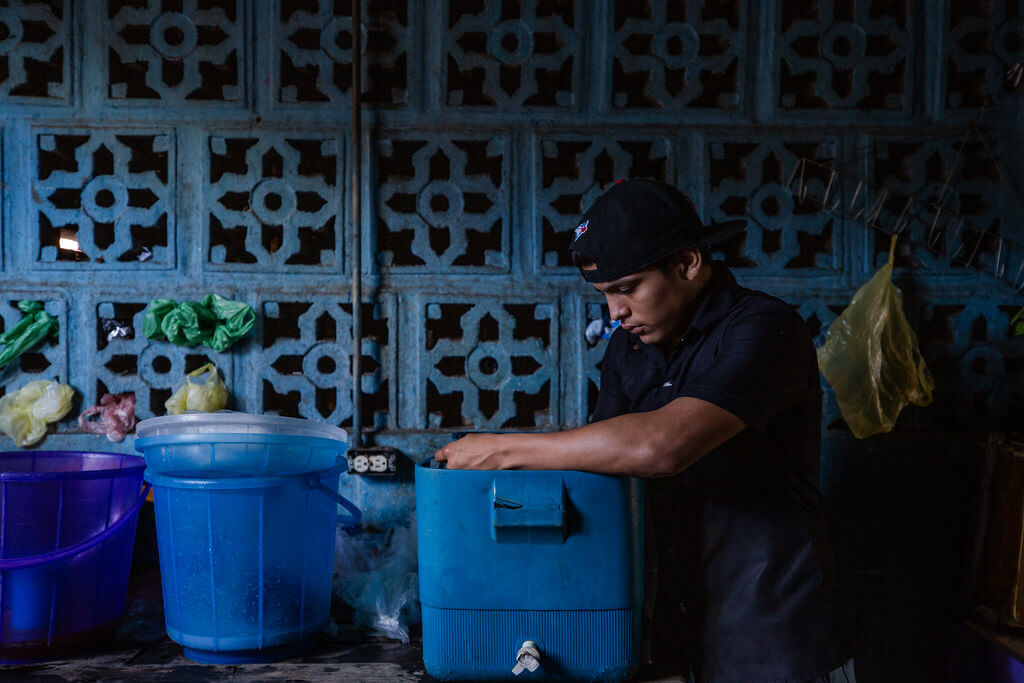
(527, 506)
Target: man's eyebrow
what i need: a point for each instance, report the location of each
(626, 281)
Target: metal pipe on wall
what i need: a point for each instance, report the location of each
(356, 242)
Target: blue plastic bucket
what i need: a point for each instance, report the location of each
(246, 562)
(227, 442)
(67, 529)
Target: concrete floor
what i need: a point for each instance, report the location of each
(139, 650)
(162, 661)
(335, 659)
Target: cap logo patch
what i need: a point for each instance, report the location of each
(580, 230)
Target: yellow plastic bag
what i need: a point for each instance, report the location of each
(25, 413)
(209, 396)
(871, 358)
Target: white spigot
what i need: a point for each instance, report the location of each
(527, 659)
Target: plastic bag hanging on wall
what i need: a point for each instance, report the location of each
(25, 413)
(30, 331)
(209, 395)
(1017, 324)
(871, 357)
(215, 322)
(116, 416)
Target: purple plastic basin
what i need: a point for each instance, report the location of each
(67, 529)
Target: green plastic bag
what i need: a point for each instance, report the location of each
(215, 322)
(209, 396)
(33, 328)
(25, 413)
(1017, 324)
(871, 357)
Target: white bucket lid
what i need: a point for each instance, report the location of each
(231, 422)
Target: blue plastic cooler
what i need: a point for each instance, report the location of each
(544, 563)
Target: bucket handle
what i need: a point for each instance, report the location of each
(24, 562)
(356, 515)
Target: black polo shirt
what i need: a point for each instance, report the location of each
(746, 580)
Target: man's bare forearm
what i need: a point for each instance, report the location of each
(623, 445)
(652, 444)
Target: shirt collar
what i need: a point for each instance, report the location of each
(718, 297)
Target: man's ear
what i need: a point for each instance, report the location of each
(689, 264)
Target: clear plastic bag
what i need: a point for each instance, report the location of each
(209, 396)
(25, 413)
(871, 357)
(377, 578)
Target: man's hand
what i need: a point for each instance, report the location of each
(475, 452)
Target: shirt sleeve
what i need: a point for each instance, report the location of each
(763, 366)
(611, 401)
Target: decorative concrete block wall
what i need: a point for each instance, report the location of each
(190, 146)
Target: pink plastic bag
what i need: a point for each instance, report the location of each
(117, 416)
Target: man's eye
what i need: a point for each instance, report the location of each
(626, 290)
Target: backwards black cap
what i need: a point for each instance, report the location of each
(638, 223)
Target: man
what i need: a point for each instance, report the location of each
(710, 390)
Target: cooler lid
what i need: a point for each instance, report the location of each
(232, 422)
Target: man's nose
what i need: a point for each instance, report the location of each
(617, 311)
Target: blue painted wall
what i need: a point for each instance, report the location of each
(190, 146)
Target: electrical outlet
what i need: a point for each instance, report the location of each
(377, 460)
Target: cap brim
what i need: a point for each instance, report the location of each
(719, 232)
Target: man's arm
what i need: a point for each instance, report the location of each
(659, 443)
(763, 370)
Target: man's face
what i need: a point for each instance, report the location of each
(653, 303)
